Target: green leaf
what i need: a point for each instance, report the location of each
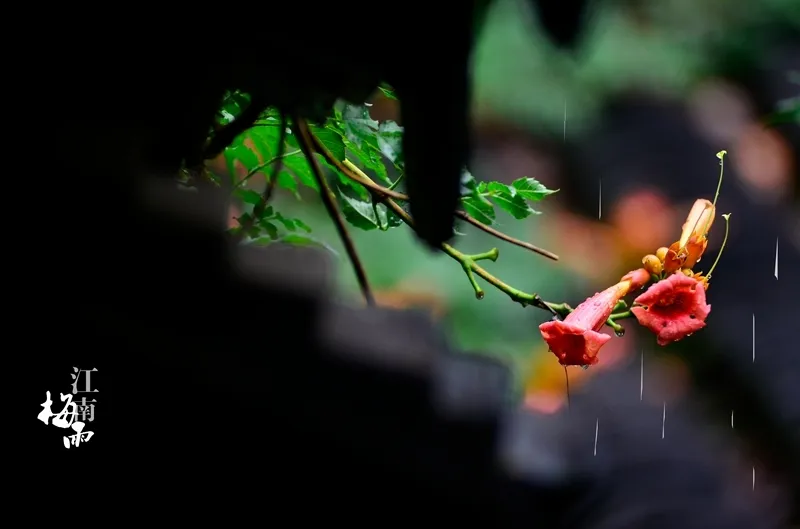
(299, 167)
(248, 196)
(473, 200)
(271, 113)
(531, 189)
(358, 126)
(479, 208)
(287, 181)
(265, 143)
(367, 159)
(331, 139)
(289, 224)
(265, 140)
(387, 218)
(390, 142)
(302, 225)
(388, 91)
(244, 218)
(233, 103)
(228, 113)
(241, 152)
(359, 213)
(304, 240)
(357, 188)
(270, 228)
(511, 202)
(242, 99)
(469, 186)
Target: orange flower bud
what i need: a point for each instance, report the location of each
(686, 252)
(661, 253)
(652, 264)
(699, 221)
(693, 240)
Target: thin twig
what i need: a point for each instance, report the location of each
(260, 167)
(503, 237)
(305, 138)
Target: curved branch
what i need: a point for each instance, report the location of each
(359, 176)
(503, 237)
(306, 140)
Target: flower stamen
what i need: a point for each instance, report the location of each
(727, 217)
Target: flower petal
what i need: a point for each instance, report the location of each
(593, 313)
(573, 345)
(673, 308)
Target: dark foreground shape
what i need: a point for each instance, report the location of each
(357, 415)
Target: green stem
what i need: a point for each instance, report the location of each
(469, 261)
(399, 179)
(612, 321)
(618, 329)
(727, 217)
(491, 255)
(721, 156)
(621, 315)
(260, 167)
(467, 266)
(562, 309)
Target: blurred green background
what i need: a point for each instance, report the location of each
(523, 84)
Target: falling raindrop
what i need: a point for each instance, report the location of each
(776, 258)
(600, 200)
(597, 428)
(663, 419)
(754, 337)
